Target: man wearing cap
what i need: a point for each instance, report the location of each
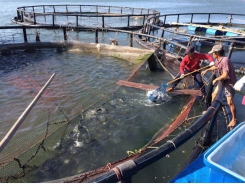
(227, 74)
(190, 63)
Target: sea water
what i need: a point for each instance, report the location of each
(80, 85)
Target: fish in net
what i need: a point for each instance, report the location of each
(159, 95)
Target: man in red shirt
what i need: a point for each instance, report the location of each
(190, 63)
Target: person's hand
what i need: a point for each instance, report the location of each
(211, 64)
(238, 86)
(214, 81)
(203, 72)
(182, 76)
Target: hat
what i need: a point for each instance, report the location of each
(216, 48)
(189, 49)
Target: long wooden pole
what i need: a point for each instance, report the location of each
(188, 74)
(17, 124)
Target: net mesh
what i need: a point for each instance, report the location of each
(27, 152)
(16, 158)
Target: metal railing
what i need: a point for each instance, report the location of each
(79, 15)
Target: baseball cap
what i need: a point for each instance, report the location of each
(189, 49)
(216, 48)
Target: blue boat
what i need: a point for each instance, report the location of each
(221, 163)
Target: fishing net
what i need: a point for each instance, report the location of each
(159, 95)
(159, 136)
(31, 151)
(28, 151)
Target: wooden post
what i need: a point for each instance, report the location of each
(149, 32)
(22, 16)
(131, 40)
(65, 35)
(162, 33)
(128, 19)
(17, 124)
(35, 22)
(164, 45)
(53, 18)
(191, 18)
(208, 18)
(164, 21)
(96, 36)
(24, 33)
(103, 21)
(230, 50)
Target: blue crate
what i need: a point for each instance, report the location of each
(221, 157)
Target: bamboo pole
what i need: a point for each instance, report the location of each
(17, 124)
(188, 74)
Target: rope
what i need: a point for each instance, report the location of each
(115, 169)
(163, 65)
(172, 143)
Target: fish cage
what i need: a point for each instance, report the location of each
(95, 16)
(68, 27)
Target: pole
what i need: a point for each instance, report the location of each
(17, 124)
(189, 74)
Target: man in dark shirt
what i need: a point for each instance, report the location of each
(190, 63)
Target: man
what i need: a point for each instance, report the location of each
(227, 74)
(190, 63)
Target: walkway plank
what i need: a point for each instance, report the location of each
(152, 87)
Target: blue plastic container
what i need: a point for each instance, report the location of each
(231, 34)
(222, 156)
(216, 164)
(192, 28)
(213, 32)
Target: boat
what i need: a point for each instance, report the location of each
(223, 162)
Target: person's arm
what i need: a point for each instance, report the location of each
(221, 77)
(209, 69)
(182, 65)
(205, 56)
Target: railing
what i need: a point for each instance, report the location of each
(194, 18)
(81, 15)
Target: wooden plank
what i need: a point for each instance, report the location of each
(152, 87)
(136, 85)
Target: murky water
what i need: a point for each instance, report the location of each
(110, 116)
